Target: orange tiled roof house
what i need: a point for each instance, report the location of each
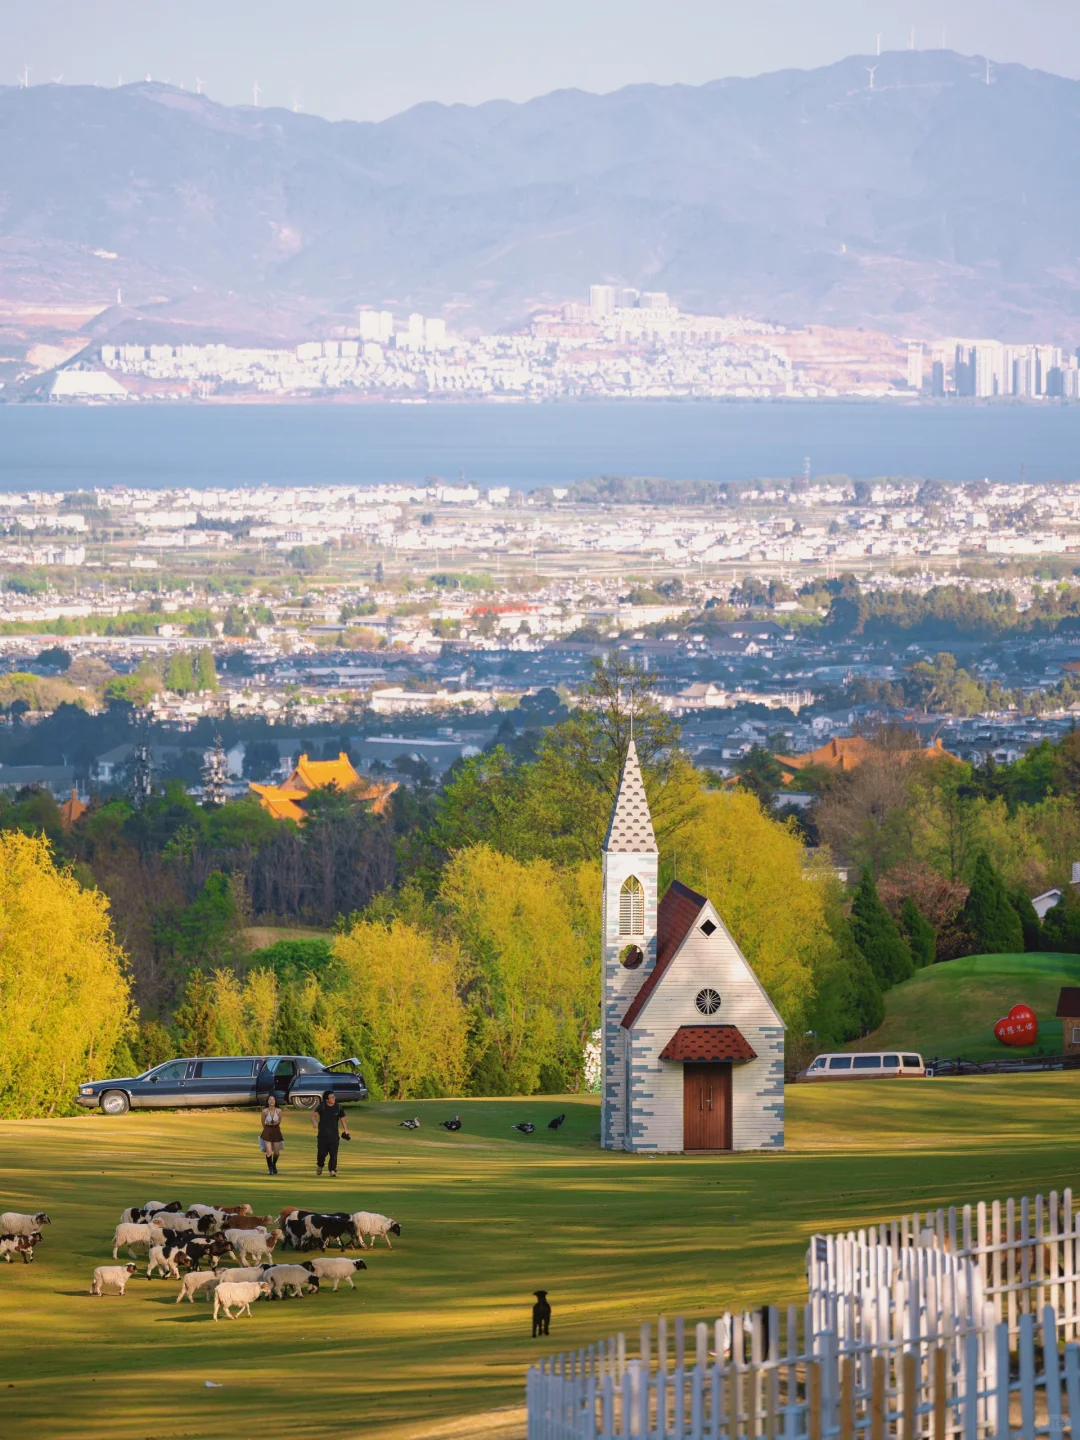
(286, 801)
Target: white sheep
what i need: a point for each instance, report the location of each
(229, 1293)
(131, 1236)
(12, 1223)
(197, 1282)
(296, 1278)
(158, 1260)
(336, 1268)
(234, 1274)
(367, 1222)
(117, 1275)
(182, 1224)
(251, 1244)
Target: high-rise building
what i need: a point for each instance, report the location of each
(377, 325)
(603, 299)
(435, 334)
(937, 379)
(655, 300)
(915, 365)
(415, 338)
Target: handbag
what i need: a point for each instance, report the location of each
(262, 1144)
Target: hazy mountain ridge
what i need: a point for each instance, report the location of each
(932, 203)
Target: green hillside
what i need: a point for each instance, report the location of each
(951, 1009)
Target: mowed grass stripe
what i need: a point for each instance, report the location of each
(438, 1328)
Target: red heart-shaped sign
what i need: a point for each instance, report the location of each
(1018, 1028)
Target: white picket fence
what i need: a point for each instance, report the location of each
(1026, 1252)
(950, 1387)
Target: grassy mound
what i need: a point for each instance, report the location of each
(438, 1328)
(951, 1009)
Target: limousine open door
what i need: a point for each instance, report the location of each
(276, 1078)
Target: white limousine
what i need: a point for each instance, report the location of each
(892, 1065)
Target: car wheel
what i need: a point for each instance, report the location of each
(306, 1102)
(115, 1102)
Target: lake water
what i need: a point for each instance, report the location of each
(156, 446)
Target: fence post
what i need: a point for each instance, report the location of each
(1027, 1377)
(1052, 1374)
(814, 1418)
(909, 1397)
(1072, 1385)
(1001, 1419)
(877, 1398)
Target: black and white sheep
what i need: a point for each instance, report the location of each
(139, 1214)
(367, 1222)
(336, 1268)
(283, 1278)
(324, 1228)
(229, 1293)
(12, 1223)
(117, 1275)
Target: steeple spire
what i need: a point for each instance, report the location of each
(630, 830)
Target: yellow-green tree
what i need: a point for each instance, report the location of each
(532, 934)
(398, 986)
(64, 993)
(752, 869)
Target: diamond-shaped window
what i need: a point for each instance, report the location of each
(707, 927)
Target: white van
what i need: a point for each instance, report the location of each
(890, 1065)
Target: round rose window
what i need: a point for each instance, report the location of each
(708, 1001)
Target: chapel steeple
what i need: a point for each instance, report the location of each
(630, 829)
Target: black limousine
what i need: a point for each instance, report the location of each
(227, 1080)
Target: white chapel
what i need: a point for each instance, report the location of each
(693, 1046)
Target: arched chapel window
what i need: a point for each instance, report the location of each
(632, 907)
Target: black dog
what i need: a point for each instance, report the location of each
(541, 1314)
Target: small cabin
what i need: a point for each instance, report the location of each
(1068, 1012)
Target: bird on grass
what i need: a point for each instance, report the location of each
(454, 1124)
(554, 1124)
(526, 1129)
(410, 1124)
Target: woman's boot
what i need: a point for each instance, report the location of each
(270, 1163)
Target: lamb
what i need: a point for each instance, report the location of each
(117, 1275)
(242, 1272)
(12, 1223)
(251, 1244)
(131, 1236)
(336, 1268)
(242, 1293)
(366, 1222)
(284, 1278)
(17, 1245)
(197, 1282)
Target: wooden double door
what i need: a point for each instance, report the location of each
(707, 1107)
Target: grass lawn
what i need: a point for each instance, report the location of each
(951, 1009)
(438, 1329)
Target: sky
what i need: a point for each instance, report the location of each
(366, 59)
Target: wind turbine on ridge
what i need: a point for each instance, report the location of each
(256, 92)
(24, 78)
(871, 70)
(198, 86)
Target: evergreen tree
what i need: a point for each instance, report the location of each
(848, 1002)
(920, 934)
(878, 937)
(205, 670)
(1061, 928)
(1029, 921)
(179, 675)
(292, 1033)
(993, 923)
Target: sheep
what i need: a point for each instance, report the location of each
(197, 1282)
(131, 1236)
(185, 1224)
(192, 1250)
(284, 1278)
(18, 1245)
(248, 1222)
(12, 1223)
(221, 1209)
(325, 1228)
(366, 1222)
(250, 1244)
(242, 1293)
(336, 1268)
(138, 1214)
(242, 1272)
(117, 1275)
(164, 1258)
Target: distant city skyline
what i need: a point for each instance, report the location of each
(357, 60)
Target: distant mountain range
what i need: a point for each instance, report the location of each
(926, 202)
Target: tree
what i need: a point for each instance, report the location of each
(994, 924)
(399, 987)
(64, 987)
(919, 933)
(179, 674)
(531, 933)
(1030, 924)
(759, 772)
(1061, 925)
(878, 937)
(261, 759)
(205, 670)
(847, 1002)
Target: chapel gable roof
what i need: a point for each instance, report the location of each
(708, 1044)
(675, 917)
(630, 830)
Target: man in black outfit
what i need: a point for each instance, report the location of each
(326, 1120)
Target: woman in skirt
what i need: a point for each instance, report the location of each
(271, 1139)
